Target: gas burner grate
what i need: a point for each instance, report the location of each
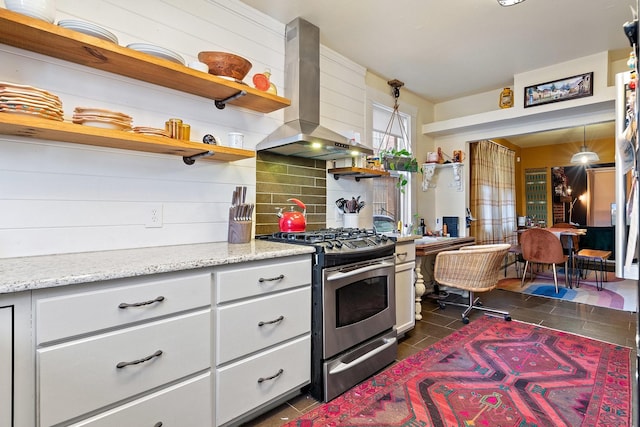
(318, 236)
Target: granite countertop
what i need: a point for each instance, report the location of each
(38, 272)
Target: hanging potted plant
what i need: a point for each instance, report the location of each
(399, 160)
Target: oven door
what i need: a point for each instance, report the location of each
(358, 303)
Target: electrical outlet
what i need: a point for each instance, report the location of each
(154, 216)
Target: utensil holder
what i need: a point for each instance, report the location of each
(350, 220)
(239, 231)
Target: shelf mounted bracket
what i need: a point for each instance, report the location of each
(457, 177)
(192, 159)
(428, 169)
(220, 104)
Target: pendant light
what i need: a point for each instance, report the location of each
(509, 2)
(585, 156)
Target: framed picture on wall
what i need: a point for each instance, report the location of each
(564, 89)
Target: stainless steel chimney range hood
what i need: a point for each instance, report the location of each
(302, 135)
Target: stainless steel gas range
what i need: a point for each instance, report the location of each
(353, 306)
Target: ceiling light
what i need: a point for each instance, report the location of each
(585, 156)
(509, 2)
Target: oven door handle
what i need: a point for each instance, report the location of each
(337, 275)
(388, 342)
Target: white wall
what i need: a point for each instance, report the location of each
(58, 198)
(342, 109)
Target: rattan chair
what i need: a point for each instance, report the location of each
(541, 246)
(473, 269)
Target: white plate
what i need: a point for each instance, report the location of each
(157, 51)
(88, 28)
(38, 14)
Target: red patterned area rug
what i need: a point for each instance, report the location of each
(492, 373)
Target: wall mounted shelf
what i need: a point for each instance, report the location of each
(39, 36)
(357, 173)
(19, 125)
(429, 169)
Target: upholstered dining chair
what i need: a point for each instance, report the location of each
(541, 246)
(474, 269)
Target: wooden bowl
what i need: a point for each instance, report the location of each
(225, 64)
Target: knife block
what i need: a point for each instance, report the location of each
(239, 231)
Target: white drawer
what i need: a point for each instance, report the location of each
(238, 330)
(186, 404)
(80, 376)
(70, 312)
(261, 277)
(405, 252)
(238, 389)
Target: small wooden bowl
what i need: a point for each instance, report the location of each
(225, 64)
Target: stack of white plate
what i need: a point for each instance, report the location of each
(88, 28)
(40, 9)
(157, 51)
(101, 118)
(151, 131)
(31, 101)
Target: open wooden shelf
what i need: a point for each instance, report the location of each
(49, 39)
(357, 173)
(21, 125)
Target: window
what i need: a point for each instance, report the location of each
(388, 199)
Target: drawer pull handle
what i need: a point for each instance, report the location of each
(402, 254)
(279, 319)
(158, 424)
(280, 372)
(141, 304)
(135, 362)
(262, 279)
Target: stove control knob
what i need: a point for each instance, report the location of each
(384, 237)
(329, 244)
(338, 243)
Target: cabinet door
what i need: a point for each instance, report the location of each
(405, 297)
(6, 363)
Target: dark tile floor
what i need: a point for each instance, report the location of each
(614, 326)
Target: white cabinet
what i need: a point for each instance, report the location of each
(405, 279)
(142, 340)
(16, 361)
(6, 366)
(262, 324)
(186, 404)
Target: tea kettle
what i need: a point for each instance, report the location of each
(293, 220)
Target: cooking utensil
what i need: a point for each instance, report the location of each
(351, 205)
